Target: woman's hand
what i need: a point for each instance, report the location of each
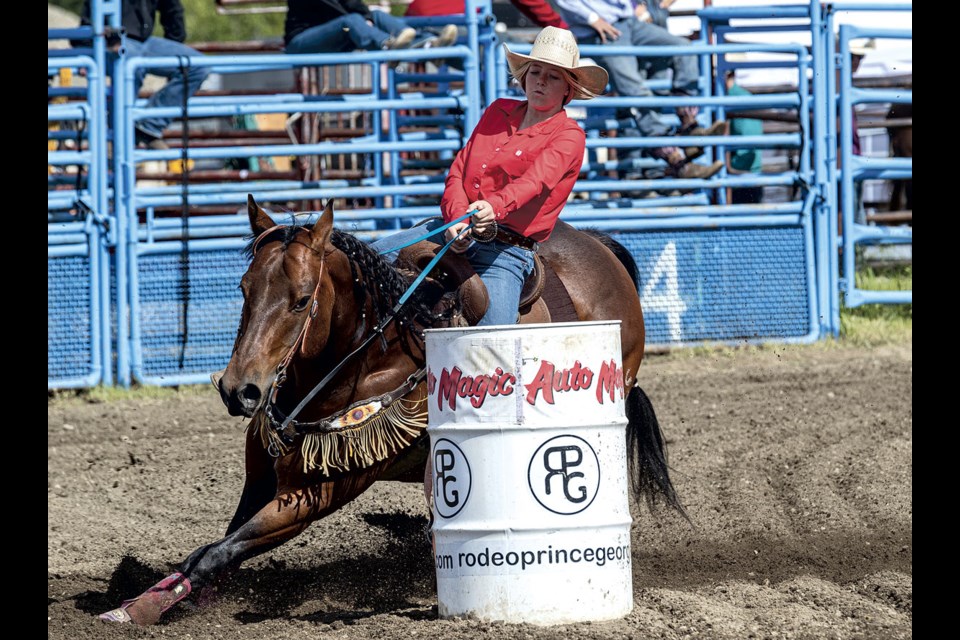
(484, 216)
(463, 242)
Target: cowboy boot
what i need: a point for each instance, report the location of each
(681, 167)
(718, 128)
(694, 170)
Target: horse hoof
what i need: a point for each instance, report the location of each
(146, 608)
(116, 615)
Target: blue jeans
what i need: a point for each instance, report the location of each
(347, 33)
(171, 94)
(627, 80)
(502, 268)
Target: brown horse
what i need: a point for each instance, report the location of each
(316, 308)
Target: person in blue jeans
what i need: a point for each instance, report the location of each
(516, 172)
(331, 26)
(138, 18)
(615, 23)
(502, 267)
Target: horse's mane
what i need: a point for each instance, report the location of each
(390, 427)
(388, 282)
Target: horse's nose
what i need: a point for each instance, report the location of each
(249, 396)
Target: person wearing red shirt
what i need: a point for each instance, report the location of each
(539, 11)
(516, 171)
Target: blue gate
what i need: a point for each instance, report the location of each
(711, 271)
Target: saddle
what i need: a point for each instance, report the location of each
(454, 275)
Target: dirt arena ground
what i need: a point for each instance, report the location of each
(795, 465)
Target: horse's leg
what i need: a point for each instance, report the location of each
(280, 520)
(260, 483)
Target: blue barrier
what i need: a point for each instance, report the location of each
(78, 311)
(856, 169)
(711, 271)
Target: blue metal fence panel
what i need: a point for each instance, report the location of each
(855, 169)
(727, 285)
(213, 311)
(706, 276)
(70, 351)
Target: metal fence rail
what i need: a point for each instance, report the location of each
(78, 336)
(855, 169)
(711, 272)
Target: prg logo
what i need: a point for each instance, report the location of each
(564, 474)
(451, 478)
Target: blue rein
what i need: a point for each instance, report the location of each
(383, 325)
(423, 273)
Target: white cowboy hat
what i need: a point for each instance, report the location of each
(559, 47)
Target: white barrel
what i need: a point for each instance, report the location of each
(527, 442)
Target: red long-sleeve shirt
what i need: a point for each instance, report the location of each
(539, 11)
(525, 175)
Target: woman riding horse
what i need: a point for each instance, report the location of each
(517, 170)
(327, 330)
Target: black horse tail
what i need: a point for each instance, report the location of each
(647, 454)
(646, 451)
(623, 255)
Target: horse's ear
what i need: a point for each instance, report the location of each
(259, 220)
(323, 228)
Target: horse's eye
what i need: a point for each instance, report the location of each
(302, 303)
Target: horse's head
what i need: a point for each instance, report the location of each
(291, 283)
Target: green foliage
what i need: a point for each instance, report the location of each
(204, 24)
(69, 5)
(876, 324)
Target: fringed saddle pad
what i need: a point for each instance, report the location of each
(365, 435)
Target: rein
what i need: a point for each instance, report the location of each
(288, 428)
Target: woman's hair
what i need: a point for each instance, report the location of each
(520, 75)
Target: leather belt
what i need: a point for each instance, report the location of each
(517, 240)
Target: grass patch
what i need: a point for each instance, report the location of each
(880, 324)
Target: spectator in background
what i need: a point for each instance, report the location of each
(615, 22)
(654, 11)
(138, 18)
(331, 26)
(744, 160)
(858, 49)
(538, 11)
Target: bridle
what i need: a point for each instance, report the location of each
(287, 427)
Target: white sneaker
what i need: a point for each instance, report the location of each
(402, 40)
(448, 36)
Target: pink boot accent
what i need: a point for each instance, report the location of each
(146, 608)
